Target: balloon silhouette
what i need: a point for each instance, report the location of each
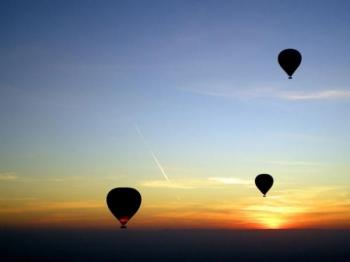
(123, 202)
(264, 182)
(289, 60)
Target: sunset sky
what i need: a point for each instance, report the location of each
(183, 100)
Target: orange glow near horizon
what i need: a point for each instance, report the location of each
(212, 207)
(97, 216)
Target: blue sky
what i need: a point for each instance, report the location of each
(84, 72)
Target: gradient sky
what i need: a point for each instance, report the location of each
(101, 94)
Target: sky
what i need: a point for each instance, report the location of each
(183, 100)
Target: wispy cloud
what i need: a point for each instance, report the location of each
(294, 163)
(40, 206)
(8, 176)
(210, 182)
(317, 95)
(230, 180)
(61, 179)
(274, 93)
(274, 209)
(80, 178)
(166, 184)
(301, 207)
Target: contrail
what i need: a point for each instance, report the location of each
(138, 130)
(159, 165)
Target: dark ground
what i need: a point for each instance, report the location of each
(175, 245)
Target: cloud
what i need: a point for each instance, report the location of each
(230, 180)
(274, 93)
(330, 94)
(45, 206)
(294, 163)
(168, 184)
(71, 178)
(275, 209)
(8, 176)
(196, 183)
(319, 206)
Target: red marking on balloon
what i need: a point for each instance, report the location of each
(123, 220)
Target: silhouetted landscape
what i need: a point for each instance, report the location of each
(175, 245)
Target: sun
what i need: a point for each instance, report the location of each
(269, 221)
(272, 217)
(273, 222)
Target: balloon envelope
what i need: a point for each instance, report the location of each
(264, 183)
(289, 60)
(123, 202)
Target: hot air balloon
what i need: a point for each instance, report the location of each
(264, 182)
(123, 202)
(289, 60)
